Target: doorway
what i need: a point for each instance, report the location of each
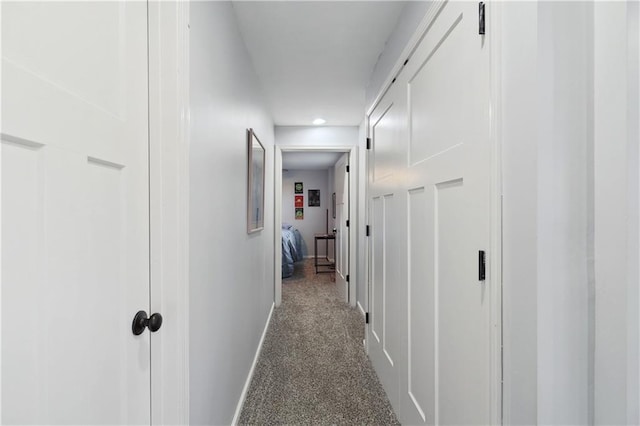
(344, 222)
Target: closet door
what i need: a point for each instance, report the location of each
(446, 378)
(387, 287)
(429, 331)
(75, 217)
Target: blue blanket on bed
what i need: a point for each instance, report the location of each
(293, 249)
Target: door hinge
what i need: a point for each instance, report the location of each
(367, 230)
(347, 168)
(366, 318)
(368, 143)
(481, 18)
(347, 277)
(347, 223)
(481, 265)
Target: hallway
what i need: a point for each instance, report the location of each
(313, 368)
(491, 236)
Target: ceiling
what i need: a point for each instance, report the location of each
(309, 160)
(314, 58)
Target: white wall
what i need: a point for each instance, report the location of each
(231, 272)
(314, 221)
(615, 195)
(570, 212)
(520, 213)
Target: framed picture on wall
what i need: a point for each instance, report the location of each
(255, 180)
(314, 198)
(299, 200)
(333, 204)
(299, 213)
(298, 188)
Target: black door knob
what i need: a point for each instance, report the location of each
(140, 321)
(155, 322)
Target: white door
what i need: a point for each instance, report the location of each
(342, 231)
(438, 190)
(75, 218)
(385, 200)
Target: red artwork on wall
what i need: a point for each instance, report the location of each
(299, 201)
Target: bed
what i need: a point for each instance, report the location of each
(293, 249)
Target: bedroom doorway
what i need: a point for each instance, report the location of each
(309, 207)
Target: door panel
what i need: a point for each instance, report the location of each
(421, 359)
(341, 179)
(377, 266)
(75, 228)
(439, 175)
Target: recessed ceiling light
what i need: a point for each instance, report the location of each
(318, 121)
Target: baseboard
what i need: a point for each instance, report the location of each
(245, 389)
(360, 308)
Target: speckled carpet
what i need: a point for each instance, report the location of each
(313, 368)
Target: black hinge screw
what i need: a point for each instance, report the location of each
(366, 318)
(367, 230)
(368, 143)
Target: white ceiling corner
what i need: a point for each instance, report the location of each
(314, 58)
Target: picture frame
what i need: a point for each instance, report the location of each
(256, 159)
(314, 198)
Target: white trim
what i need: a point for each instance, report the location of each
(354, 224)
(353, 217)
(367, 219)
(361, 309)
(277, 226)
(183, 171)
(247, 383)
(169, 213)
(494, 38)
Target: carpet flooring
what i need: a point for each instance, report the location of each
(313, 368)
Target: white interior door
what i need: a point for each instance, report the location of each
(385, 200)
(430, 174)
(342, 231)
(75, 219)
